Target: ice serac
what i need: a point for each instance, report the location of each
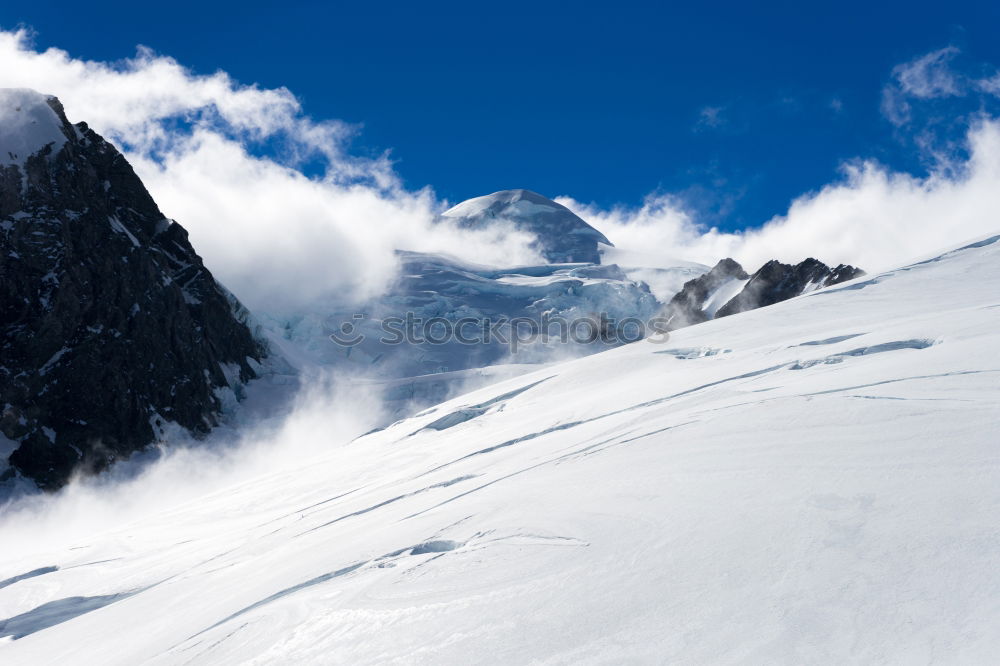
(561, 235)
(491, 312)
(728, 289)
(111, 327)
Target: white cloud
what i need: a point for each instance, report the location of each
(895, 106)
(711, 116)
(873, 217)
(283, 240)
(930, 75)
(278, 239)
(990, 85)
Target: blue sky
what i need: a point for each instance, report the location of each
(736, 108)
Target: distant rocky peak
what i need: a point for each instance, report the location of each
(728, 289)
(726, 269)
(561, 235)
(775, 282)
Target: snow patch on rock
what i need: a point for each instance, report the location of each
(27, 125)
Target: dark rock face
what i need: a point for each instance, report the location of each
(561, 235)
(776, 282)
(687, 307)
(707, 297)
(110, 325)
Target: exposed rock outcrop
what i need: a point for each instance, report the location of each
(692, 304)
(775, 282)
(728, 289)
(111, 327)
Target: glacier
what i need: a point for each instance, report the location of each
(426, 370)
(815, 481)
(586, 279)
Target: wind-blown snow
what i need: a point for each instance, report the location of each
(27, 125)
(813, 482)
(665, 275)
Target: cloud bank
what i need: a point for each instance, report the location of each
(227, 161)
(874, 218)
(871, 216)
(230, 162)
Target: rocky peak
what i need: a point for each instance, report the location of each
(693, 304)
(111, 327)
(775, 282)
(728, 289)
(561, 235)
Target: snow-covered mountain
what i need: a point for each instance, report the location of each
(561, 235)
(813, 482)
(115, 330)
(111, 327)
(573, 286)
(409, 374)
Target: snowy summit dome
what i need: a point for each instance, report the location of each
(562, 236)
(28, 123)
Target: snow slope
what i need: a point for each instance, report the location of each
(813, 482)
(722, 295)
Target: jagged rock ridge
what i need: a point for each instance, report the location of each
(111, 327)
(728, 289)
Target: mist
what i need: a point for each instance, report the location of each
(321, 419)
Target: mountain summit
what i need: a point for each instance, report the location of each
(562, 236)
